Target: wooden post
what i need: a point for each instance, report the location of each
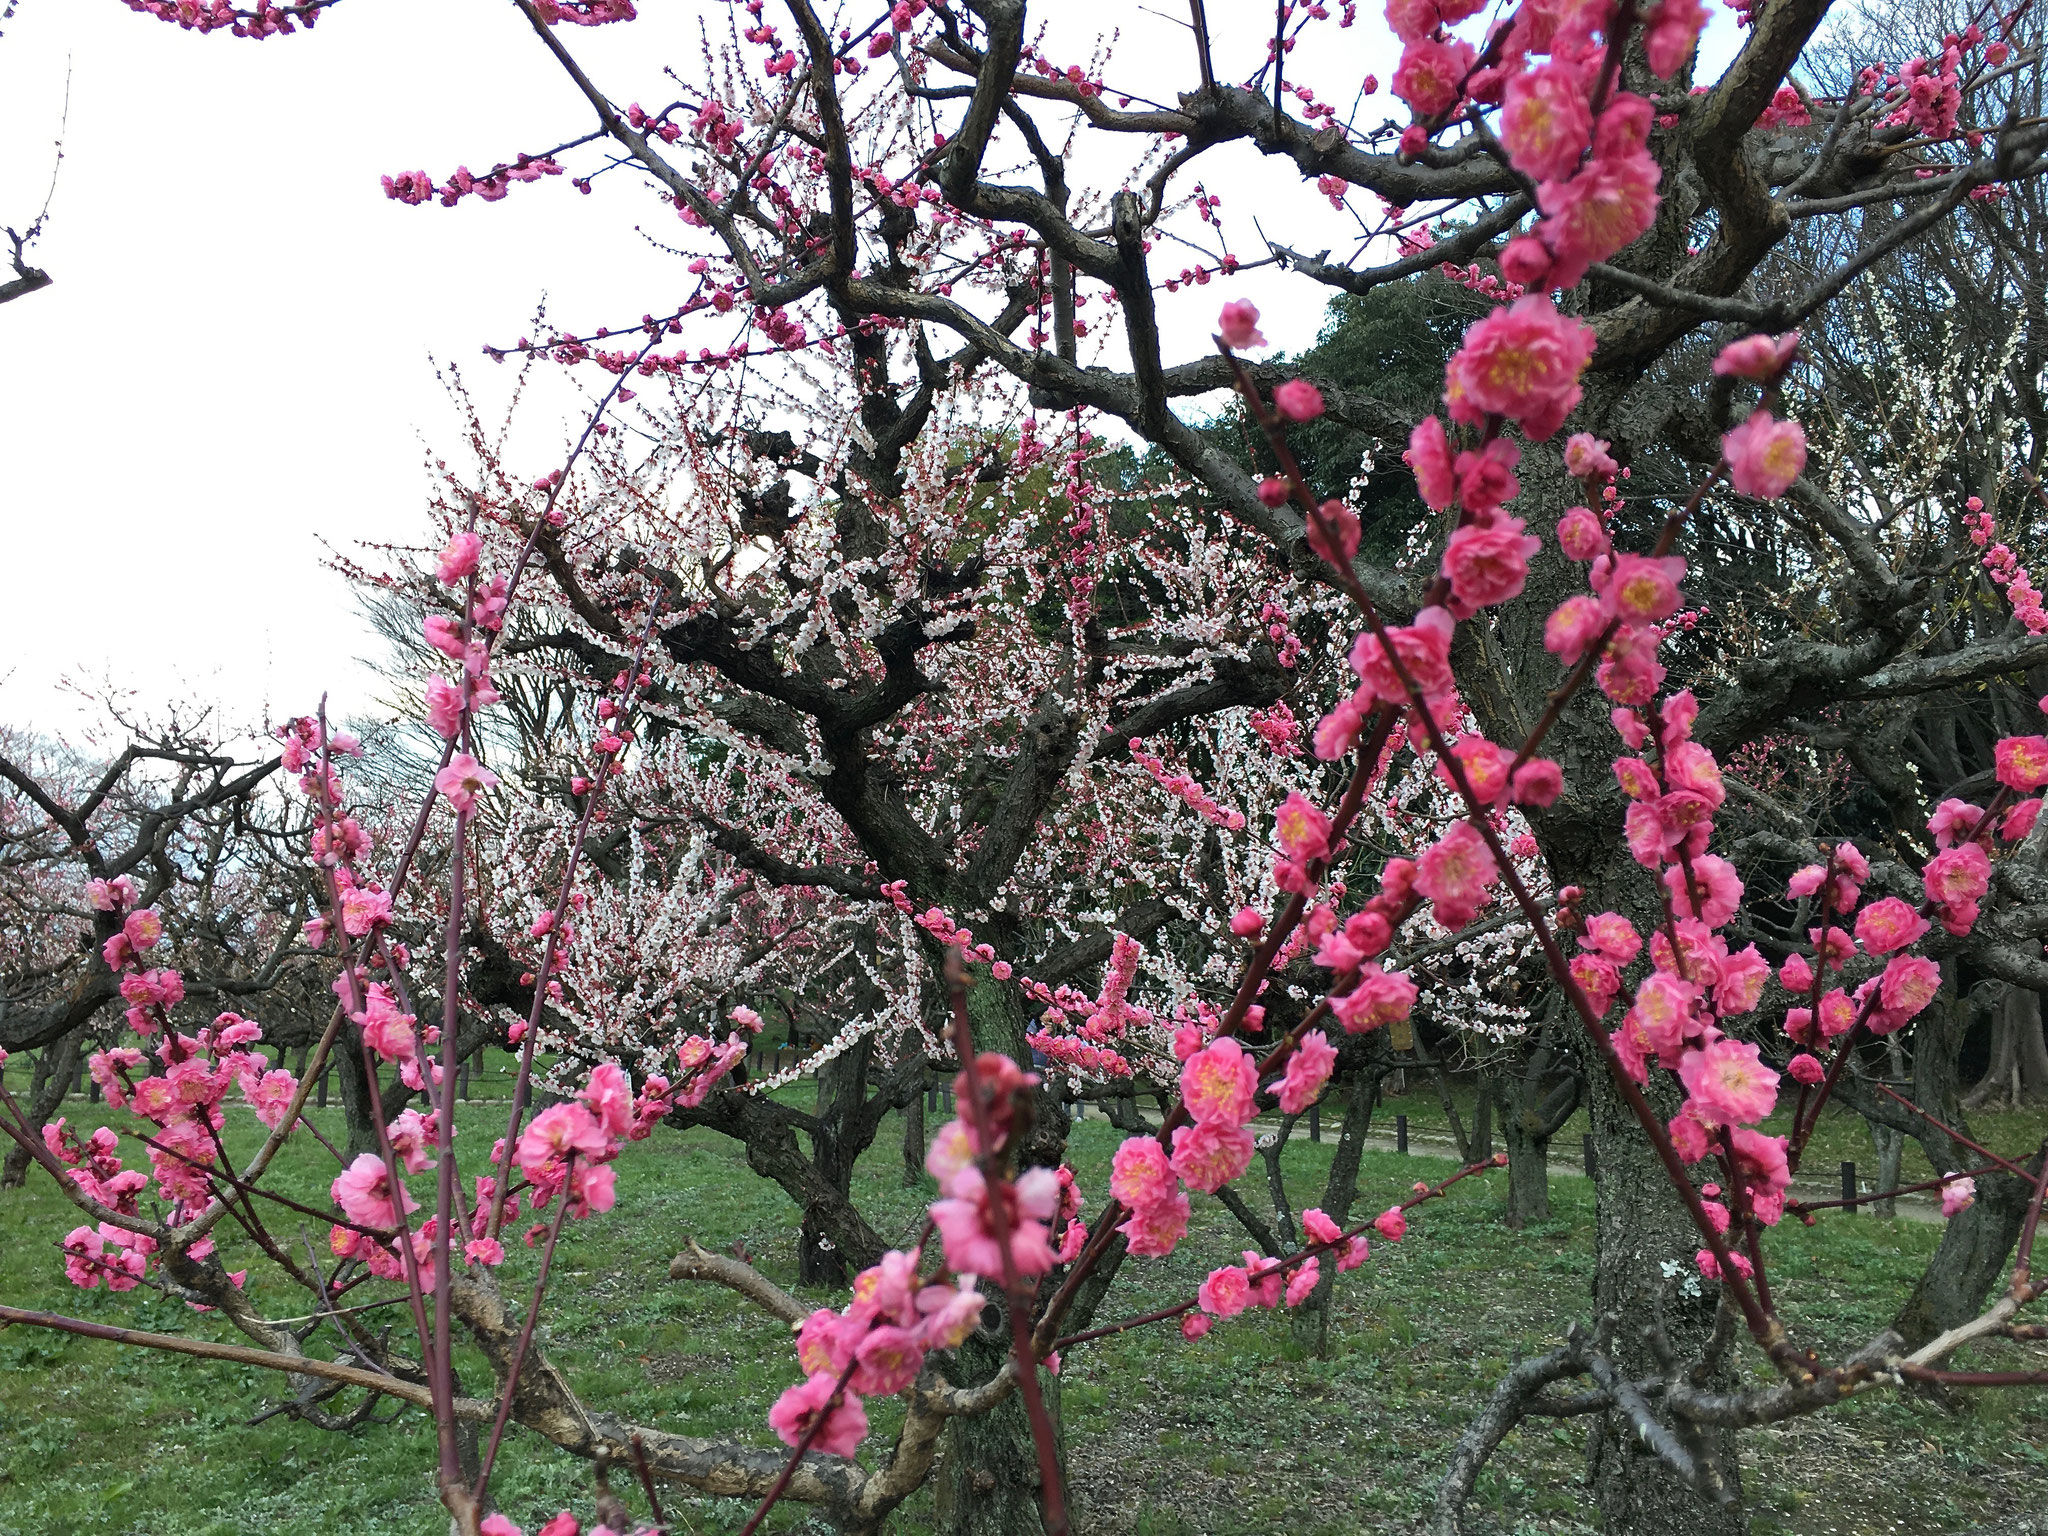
(1401, 1134)
(1315, 1121)
(1848, 1187)
(1592, 1169)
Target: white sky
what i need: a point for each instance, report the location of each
(236, 357)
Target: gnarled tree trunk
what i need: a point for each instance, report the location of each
(56, 1068)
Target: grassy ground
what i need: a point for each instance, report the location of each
(1240, 1431)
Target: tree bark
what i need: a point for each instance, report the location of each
(1528, 1172)
(1312, 1317)
(2019, 1059)
(1970, 1260)
(914, 1138)
(842, 1091)
(989, 1482)
(1644, 1274)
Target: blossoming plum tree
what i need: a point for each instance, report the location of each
(914, 683)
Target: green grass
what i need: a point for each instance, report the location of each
(1239, 1431)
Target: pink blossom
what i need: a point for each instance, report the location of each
(445, 635)
(1764, 455)
(2019, 821)
(363, 1191)
(1429, 458)
(1246, 922)
(1307, 1070)
(1521, 362)
(609, 1097)
(1728, 1084)
(1741, 983)
(1428, 74)
(1413, 20)
(143, 930)
(1640, 589)
(462, 781)
(1673, 29)
(1526, 260)
(1546, 123)
(1302, 830)
(1537, 782)
(1487, 565)
(1720, 891)
(1601, 210)
(1333, 533)
(497, 1525)
(444, 708)
(1273, 492)
(800, 1407)
(1663, 1011)
(1886, 925)
(1454, 874)
(1424, 649)
(1298, 400)
(1208, 1155)
(1957, 1196)
(1757, 357)
(1613, 935)
(1318, 1226)
(1195, 1324)
(459, 558)
(487, 1251)
(890, 1359)
(1302, 1283)
(1908, 985)
(1573, 626)
(1381, 997)
(1581, 534)
(1239, 325)
(1154, 1229)
(1586, 457)
(559, 1132)
(965, 1222)
(2021, 764)
(1805, 1068)
(1392, 1223)
(1217, 1084)
(1226, 1292)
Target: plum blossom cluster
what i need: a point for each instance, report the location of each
(2005, 570)
(988, 1225)
(1186, 788)
(415, 187)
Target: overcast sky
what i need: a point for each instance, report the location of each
(237, 358)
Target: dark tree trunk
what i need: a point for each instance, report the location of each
(1644, 1273)
(914, 1138)
(1312, 1317)
(349, 1070)
(989, 1483)
(842, 1092)
(1975, 1245)
(1533, 1109)
(56, 1066)
(1528, 1173)
(1970, 1260)
(1482, 1121)
(2019, 1058)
